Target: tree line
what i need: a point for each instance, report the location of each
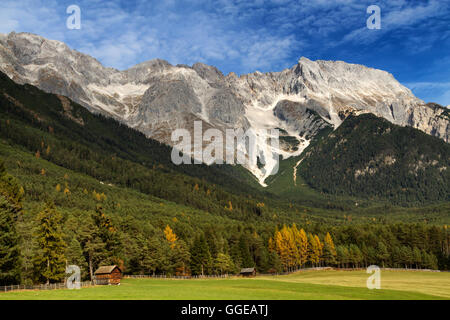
(91, 238)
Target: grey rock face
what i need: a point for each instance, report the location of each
(305, 121)
(208, 73)
(164, 102)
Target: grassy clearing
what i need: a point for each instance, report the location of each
(431, 283)
(339, 285)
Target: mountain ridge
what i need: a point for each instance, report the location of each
(156, 97)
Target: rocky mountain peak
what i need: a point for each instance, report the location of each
(156, 97)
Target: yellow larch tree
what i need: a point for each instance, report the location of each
(319, 248)
(171, 237)
(302, 247)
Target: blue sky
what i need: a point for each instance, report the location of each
(243, 36)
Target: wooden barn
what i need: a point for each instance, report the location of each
(248, 272)
(108, 275)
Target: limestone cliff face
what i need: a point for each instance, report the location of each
(156, 97)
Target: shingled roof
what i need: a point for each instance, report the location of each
(106, 269)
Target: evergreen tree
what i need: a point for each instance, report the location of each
(200, 256)
(343, 256)
(50, 260)
(223, 264)
(74, 256)
(319, 246)
(11, 191)
(247, 261)
(94, 249)
(417, 257)
(10, 262)
(109, 236)
(274, 263)
(180, 257)
(382, 253)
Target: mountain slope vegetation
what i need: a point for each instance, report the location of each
(369, 157)
(60, 131)
(114, 197)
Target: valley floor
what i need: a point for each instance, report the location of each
(326, 285)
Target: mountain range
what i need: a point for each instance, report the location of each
(155, 97)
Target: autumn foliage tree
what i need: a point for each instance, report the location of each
(329, 250)
(171, 237)
(295, 248)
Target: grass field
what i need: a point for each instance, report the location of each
(337, 285)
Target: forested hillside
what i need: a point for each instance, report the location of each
(371, 158)
(58, 130)
(77, 188)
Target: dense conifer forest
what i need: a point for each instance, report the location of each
(369, 157)
(78, 188)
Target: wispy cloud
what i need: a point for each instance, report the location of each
(244, 36)
(432, 91)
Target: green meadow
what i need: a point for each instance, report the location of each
(321, 285)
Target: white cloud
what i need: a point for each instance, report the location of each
(396, 16)
(239, 35)
(438, 92)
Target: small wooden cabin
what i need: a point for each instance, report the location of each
(248, 272)
(108, 275)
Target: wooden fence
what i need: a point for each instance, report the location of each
(84, 284)
(159, 276)
(51, 286)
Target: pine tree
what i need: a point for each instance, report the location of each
(247, 260)
(155, 255)
(10, 209)
(417, 257)
(50, 261)
(11, 190)
(74, 256)
(355, 255)
(382, 253)
(200, 256)
(180, 257)
(286, 247)
(223, 264)
(93, 246)
(274, 263)
(10, 262)
(343, 256)
(109, 236)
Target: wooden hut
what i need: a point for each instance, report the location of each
(248, 272)
(108, 275)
